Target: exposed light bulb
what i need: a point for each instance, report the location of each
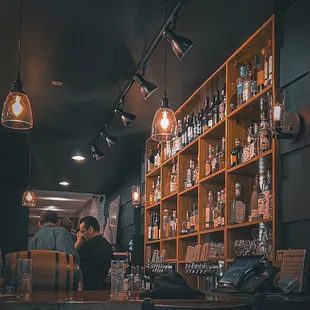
(164, 122)
(17, 107)
(135, 196)
(29, 196)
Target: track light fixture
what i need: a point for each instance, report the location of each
(110, 140)
(126, 117)
(180, 44)
(97, 154)
(146, 87)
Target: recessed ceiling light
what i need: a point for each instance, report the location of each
(57, 83)
(51, 208)
(64, 183)
(78, 158)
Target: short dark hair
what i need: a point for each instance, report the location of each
(66, 224)
(90, 221)
(49, 217)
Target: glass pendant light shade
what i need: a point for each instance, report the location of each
(17, 112)
(29, 198)
(164, 126)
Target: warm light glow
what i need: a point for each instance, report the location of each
(29, 199)
(135, 196)
(64, 183)
(78, 158)
(277, 111)
(164, 123)
(29, 196)
(17, 112)
(17, 108)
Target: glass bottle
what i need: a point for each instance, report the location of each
(150, 229)
(219, 210)
(237, 211)
(254, 201)
(178, 140)
(269, 62)
(264, 130)
(155, 227)
(173, 224)
(246, 153)
(210, 115)
(215, 107)
(222, 207)
(188, 222)
(152, 193)
(261, 201)
(222, 155)
(166, 224)
(268, 196)
(208, 211)
(236, 154)
(260, 74)
(240, 85)
(246, 94)
(208, 166)
(184, 133)
(266, 64)
(150, 162)
(254, 85)
(184, 226)
(137, 280)
(222, 106)
(206, 113)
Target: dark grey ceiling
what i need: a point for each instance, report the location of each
(93, 46)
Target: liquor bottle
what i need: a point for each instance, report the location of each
(208, 166)
(210, 115)
(264, 131)
(247, 82)
(215, 108)
(147, 276)
(190, 128)
(222, 106)
(269, 62)
(137, 280)
(266, 64)
(173, 224)
(260, 75)
(219, 210)
(236, 201)
(262, 201)
(222, 155)
(152, 193)
(268, 196)
(188, 222)
(205, 118)
(240, 85)
(255, 141)
(209, 209)
(199, 124)
(184, 226)
(239, 203)
(150, 228)
(166, 224)
(155, 227)
(222, 207)
(172, 188)
(158, 156)
(195, 211)
(246, 153)
(142, 274)
(184, 133)
(215, 215)
(157, 190)
(215, 160)
(131, 279)
(192, 220)
(254, 201)
(126, 280)
(254, 85)
(195, 134)
(236, 154)
(150, 162)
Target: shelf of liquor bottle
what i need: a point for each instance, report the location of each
(154, 173)
(250, 110)
(216, 132)
(191, 235)
(216, 177)
(249, 223)
(249, 167)
(172, 196)
(152, 241)
(191, 191)
(168, 239)
(211, 230)
(154, 205)
(168, 161)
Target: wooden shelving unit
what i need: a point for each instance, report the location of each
(234, 125)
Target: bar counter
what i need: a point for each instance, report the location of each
(100, 300)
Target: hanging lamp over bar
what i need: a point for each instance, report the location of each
(29, 198)
(164, 126)
(17, 112)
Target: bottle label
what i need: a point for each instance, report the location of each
(267, 204)
(260, 77)
(149, 233)
(167, 230)
(239, 88)
(147, 286)
(265, 142)
(155, 233)
(233, 159)
(214, 162)
(246, 91)
(210, 123)
(222, 110)
(126, 284)
(270, 70)
(199, 129)
(240, 212)
(252, 150)
(246, 154)
(208, 169)
(254, 88)
(254, 213)
(188, 224)
(222, 221)
(207, 217)
(178, 144)
(266, 73)
(261, 205)
(150, 166)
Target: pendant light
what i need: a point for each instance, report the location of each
(17, 112)
(29, 198)
(164, 122)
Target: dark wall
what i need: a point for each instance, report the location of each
(130, 219)
(13, 221)
(294, 76)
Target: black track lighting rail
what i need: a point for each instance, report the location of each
(140, 66)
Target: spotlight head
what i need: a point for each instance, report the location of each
(146, 87)
(126, 117)
(110, 140)
(180, 44)
(97, 154)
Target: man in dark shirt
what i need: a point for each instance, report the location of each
(95, 254)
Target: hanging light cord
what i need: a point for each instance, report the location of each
(29, 165)
(20, 39)
(165, 61)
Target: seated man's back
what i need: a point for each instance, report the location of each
(51, 237)
(95, 254)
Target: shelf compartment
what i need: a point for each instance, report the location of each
(185, 236)
(153, 206)
(170, 197)
(183, 243)
(216, 177)
(170, 245)
(190, 149)
(203, 232)
(153, 241)
(216, 132)
(154, 173)
(166, 172)
(249, 223)
(191, 191)
(251, 166)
